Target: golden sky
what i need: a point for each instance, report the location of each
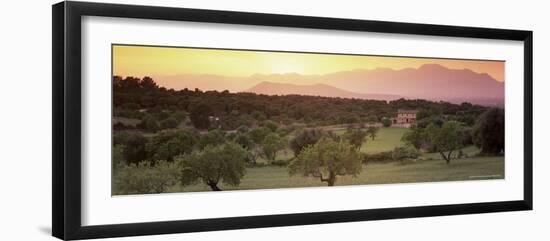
(142, 61)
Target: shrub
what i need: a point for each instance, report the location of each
(378, 157)
(144, 177)
(280, 163)
(404, 153)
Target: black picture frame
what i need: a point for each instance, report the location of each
(66, 127)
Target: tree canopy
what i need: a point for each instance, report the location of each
(305, 138)
(446, 139)
(214, 164)
(271, 144)
(372, 131)
(326, 160)
(356, 137)
(488, 132)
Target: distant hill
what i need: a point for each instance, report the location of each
(270, 88)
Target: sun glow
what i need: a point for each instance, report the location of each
(170, 61)
(284, 67)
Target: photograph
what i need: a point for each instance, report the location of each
(195, 119)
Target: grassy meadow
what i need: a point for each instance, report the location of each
(387, 139)
(378, 173)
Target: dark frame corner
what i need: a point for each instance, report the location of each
(66, 129)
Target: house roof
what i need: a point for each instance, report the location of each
(403, 111)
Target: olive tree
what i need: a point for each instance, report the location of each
(416, 137)
(446, 139)
(253, 149)
(372, 132)
(327, 159)
(214, 164)
(355, 137)
(271, 144)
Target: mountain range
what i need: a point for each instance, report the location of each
(429, 81)
(272, 88)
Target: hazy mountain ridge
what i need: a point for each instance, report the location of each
(271, 88)
(430, 81)
(427, 82)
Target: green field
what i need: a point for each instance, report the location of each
(377, 173)
(386, 140)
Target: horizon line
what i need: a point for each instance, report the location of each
(309, 75)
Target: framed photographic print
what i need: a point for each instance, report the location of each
(169, 120)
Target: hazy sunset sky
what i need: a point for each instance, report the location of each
(154, 61)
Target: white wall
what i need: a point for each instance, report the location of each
(25, 133)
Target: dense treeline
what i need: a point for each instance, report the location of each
(161, 108)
